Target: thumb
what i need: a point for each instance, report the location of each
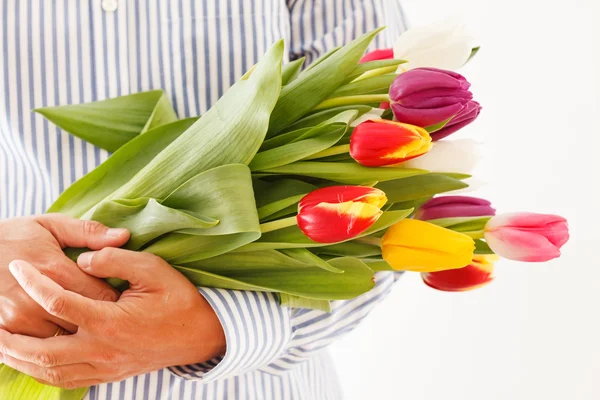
(72, 232)
(142, 270)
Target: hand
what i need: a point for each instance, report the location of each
(39, 240)
(161, 320)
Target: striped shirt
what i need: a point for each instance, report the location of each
(57, 52)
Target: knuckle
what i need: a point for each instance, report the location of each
(53, 376)
(92, 227)
(104, 256)
(11, 319)
(107, 294)
(56, 305)
(45, 359)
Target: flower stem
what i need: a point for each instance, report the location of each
(350, 100)
(376, 72)
(277, 224)
(332, 151)
(375, 241)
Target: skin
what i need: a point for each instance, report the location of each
(39, 240)
(154, 324)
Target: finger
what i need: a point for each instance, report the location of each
(66, 273)
(51, 352)
(140, 269)
(55, 376)
(72, 232)
(61, 303)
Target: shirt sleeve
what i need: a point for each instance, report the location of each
(260, 334)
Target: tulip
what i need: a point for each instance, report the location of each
(337, 213)
(382, 54)
(383, 142)
(415, 245)
(527, 236)
(459, 156)
(453, 207)
(475, 275)
(428, 96)
(464, 117)
(445, 45)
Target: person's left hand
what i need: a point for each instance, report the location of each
(160, 321)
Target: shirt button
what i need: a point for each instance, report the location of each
(109, 5)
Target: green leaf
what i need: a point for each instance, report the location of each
(291, 70)
(291, 301)
(210, 195)
(109, 124)
(267, 193)
(146, 219)
(295, 151)
(474, 51)
(307, 257)
(118, 169)
(241, 116)
(351, 173)
(292, 237)
(438, 126)
(377, 84)
(419, 186)
(371, 65)
(308, 143)
(350, 249)
(315, 84)
(15, 385)
(322, 116)
(377, 264)
(462, 224)
(481, 247)
(269, 272)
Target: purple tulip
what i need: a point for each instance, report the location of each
(455, 206)
(467, 115)
(428, 96)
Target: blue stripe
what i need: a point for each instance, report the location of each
(262, 337)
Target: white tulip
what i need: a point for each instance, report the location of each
(374, 114)
(444, 45)
(461, 156)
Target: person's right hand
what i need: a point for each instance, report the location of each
(39, 240)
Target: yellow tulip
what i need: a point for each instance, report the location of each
(420, 246)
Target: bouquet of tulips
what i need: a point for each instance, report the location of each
(305, 182)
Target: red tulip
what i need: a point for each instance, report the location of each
(382, 54)
(337, 213)
(475, 275)
(382, 142)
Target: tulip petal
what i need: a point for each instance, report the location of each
(420, 246)
(459, 156)
(473, 276)
(381, 54)
(443, 45)
(454, 206)
(338, 213)
(519, 245)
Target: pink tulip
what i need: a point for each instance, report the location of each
(527, 236)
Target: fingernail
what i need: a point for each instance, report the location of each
(85, 259)
(15, 267)
(116, 232)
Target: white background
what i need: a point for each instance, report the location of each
(534, 332)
